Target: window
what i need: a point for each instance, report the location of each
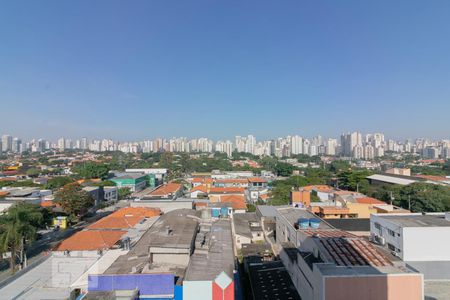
(391, 232)
(391, 247)
(377, 225)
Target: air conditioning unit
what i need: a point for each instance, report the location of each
(395, 253)
(381, 240)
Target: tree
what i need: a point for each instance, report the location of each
(284, 169)
(354, 180)
(124, 193)
(91, 170)
(18, 228)
(58, 182)
(74, 200)
(33, 172)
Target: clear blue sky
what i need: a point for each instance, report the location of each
(140, 69)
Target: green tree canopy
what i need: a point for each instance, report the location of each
(74, 200)
(89, 170)
(58, 182)
(18, 227)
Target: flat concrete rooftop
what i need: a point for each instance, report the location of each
(207, 265)
(417, 220)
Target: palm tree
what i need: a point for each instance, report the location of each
(18, 228)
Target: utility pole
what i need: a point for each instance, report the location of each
(392, 197)
(409, 202)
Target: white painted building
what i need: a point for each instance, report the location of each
(413, 237)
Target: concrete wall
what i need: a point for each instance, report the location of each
(390, 287)
(426, 243)
(170, 258)
(165, 206)
(197, 290)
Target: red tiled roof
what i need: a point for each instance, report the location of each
(232, 181)
(353, 252)
(146, 212)
(226, 190)
(91, 240)
(432, 177)
(369, 200)
(200, 188)
(327, 233)
(237, 201)
(168, 188)
(256, 179)
(112, 222)
(125, 218)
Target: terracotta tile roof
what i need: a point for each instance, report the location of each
(166, 189)
(256, 179)
(354, 252)
(200, 188)
(91, 240)
(319, 187)
(369, 200)
(432, 177)
(226, 190)
(3, 193)
(112, 222)
(146, 212)
(8, 179)
(125, 218)
(202, 180)
(334, 210)
(237, 201)
(327, 233)
(240, 181)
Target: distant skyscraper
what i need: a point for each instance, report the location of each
(296, 145)
(6, 143)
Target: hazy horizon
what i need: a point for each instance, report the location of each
(143, 69)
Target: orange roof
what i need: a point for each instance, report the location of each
(201, 204)
(256, 179)
(112, 222)
(168, 188)
(125, 218)
(90, 240)
(3, 193)
(226, 190)
(8, 179)
(432, 177)
(319, 187)
(369, 200)
(346, 193)
(202, 180)
(145, 212)
(232, 180)
(200, 188)
(334, 210)
(237, 201)
(47, 203)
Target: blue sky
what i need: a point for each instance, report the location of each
(140, 69)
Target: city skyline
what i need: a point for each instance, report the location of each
(203, 69)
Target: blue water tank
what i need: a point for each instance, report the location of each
(215, 212)
(224, 211)
(314, 223)
(303, 223)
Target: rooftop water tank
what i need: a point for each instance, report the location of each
(303, 223)
(314, 223)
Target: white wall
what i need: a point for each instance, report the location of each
(426, 243)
